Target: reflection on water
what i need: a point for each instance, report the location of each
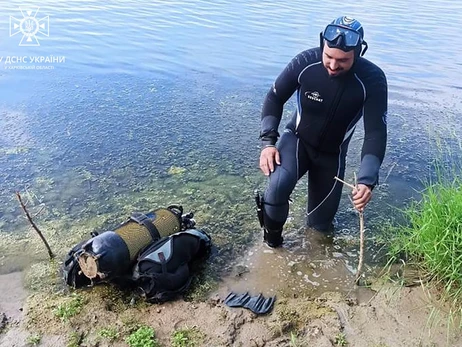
(159, 103)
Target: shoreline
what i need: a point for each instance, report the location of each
(388, 316)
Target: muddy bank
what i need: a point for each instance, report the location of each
(384, 315)
(12, 299)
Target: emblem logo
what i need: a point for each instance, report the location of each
(347, 20)
(30, 26)
(315, 96)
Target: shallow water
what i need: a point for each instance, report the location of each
(309, 263)
(158, 102)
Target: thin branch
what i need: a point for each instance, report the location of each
(50, 253)
(361, 232)
(361, 246)
(389, 172)
(361, 240)
(39, 211)
(345, 183)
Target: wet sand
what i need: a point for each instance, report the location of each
(12, 297)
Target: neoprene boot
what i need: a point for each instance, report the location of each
(273, 238)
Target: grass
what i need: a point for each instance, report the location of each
(202, 284)
(340, 340)
(70, 308)
(432, 240)
(189, 337)
(293, 340)
(109, 333)
(34, 340)
(75, 339)
(144, 336)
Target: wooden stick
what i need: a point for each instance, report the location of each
(361, 232)
(345, 183)
(50, 253)
(361, 246)
(361, 240)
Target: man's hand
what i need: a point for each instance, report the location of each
(269, 157)
(361, 196)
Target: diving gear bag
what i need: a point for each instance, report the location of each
(111, 254)
(162, 270)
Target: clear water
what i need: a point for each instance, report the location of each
(158, 102)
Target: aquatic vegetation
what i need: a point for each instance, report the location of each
(14, 150)
(43, 184)
(42, 275)
(175, 170)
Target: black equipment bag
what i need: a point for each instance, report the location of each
(71, 269)
(113, 253)
(163, 271)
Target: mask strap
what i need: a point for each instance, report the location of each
(365, 48)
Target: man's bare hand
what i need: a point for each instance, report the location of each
(269, 158)
(361, 196)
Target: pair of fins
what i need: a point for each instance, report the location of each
(257, 304)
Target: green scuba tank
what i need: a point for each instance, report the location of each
(111, 254)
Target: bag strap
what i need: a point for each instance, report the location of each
(142, 219)
(163, 262)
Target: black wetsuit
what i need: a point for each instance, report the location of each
(316, 139)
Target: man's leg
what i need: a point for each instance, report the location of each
(324, 191)
(281, 183)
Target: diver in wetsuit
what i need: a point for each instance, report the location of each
(335, 87)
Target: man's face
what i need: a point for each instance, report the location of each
(336, 61)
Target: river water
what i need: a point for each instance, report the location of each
(122, 106)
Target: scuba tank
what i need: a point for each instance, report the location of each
(111, 254)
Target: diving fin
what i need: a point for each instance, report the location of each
(257, 304)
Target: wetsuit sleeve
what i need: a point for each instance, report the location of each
(281, 91)
(375, 130)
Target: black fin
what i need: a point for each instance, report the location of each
(257, 304)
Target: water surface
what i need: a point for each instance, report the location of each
(153, 103)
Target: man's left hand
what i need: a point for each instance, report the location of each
(362, 194)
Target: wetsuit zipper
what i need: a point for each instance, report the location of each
(333, 111)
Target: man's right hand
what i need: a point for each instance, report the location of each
(269, 157)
